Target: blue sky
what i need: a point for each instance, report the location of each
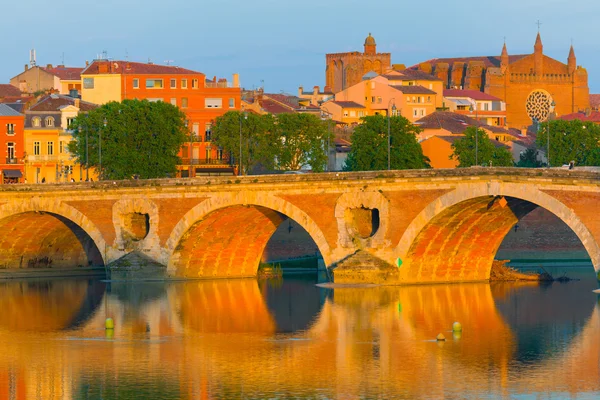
(284, 42)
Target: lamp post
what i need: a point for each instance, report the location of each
(325, 113)
(100, 150)
(245, 115)
(552, 105)
(476, 133)
(87, 168)
(389, 141)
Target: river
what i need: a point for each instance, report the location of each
(287, 338)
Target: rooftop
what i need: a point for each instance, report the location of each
(6, 111)
(129, 67)
(65, 73)
(410, 74)
(595, 100)
(55, 102)
(488, 61)
(348, 104)
(593, 116)
(472, 94)
(7, 90)
(413, 89)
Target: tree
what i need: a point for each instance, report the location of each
(135, 138)
(465, 148)
(369, 150)
(302, 140)
(530, 159)
(253, 134)
(571, 141)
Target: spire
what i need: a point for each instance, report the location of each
(571, 53)
(538, 55)
(538, 44)
(504, 57)
(572, 61)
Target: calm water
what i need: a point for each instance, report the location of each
(291, 339)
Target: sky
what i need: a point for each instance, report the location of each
(281, 44)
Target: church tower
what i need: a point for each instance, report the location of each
(538, 51)
(370, 45)
(504, 58)
(572, 61)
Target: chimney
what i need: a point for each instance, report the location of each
(315, 90)
(26, 67)
(524, 131)
(49, 66)
(102, 67)
(87, 63)
(300, 90)
(327, 89)
(236, 80)
(76, 103)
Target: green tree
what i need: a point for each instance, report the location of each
(465, 148)
(135, 138)
(302, 140)
(253, 134)
(369, 150)
(530, 159)
(571, 141)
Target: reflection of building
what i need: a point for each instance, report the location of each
(346, 69)
(11, 144)
(47, 138)
(528, 83)
(200, 99)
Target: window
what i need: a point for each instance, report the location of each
(36, 122)
(173, 83)
(208, 155)
(415, 112)
(184, 102)
(196, 128)
(219, 153)
(429, 99)
(154, 83)
(419, 99)
(485, 106)
(61, 147)
(184, 83)
(49, 121)
(10, 152)
(372, 85)
(372, 99)
(88, 83)
(174, 101)
(431, 86)
(136, 83)
(194, 83)
(408, 99)
(414, 99)
(70, 122)
(36, 148)
(10, 129)
(361, 113)
(213, 103)
(50, 148)
(422, 112)
(352, 113)
(345, 113)
(207, 130)
(379, 100)
(154, 99)
(231, 103)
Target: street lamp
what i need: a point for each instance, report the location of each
(325, 113)
(87, 168)
(245, 115)
(100, 149)
(552, 105)
(389, 141)
(476, 133)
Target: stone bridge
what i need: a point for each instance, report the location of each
(396, 227)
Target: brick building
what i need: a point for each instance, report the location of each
(346, 69)
(527, 83)
(202, 101)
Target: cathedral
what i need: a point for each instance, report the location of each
(346, 69)
(534, 86)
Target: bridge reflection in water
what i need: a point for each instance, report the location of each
(242, 338)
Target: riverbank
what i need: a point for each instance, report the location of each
(20, 273)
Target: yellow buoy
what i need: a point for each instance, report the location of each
(457, 327)
(109, 324)
(441, 337)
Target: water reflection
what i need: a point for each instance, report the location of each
(249, 339)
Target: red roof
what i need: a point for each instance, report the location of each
(595, 100)
(128, 67)
(7, 90)
(65, 73)
(594, 116)
(488, 61)
(348, 104)
(473, 94)
(273, 107)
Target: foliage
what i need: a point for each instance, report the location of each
(571, 141)
(370, 145)
(302, 140)
(465, 150)
(530, 159)
(140, 138)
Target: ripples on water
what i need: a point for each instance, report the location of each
(292, 339)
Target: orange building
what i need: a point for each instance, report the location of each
(528, 83)
(12, 144)
(200, 99)
(346, 69)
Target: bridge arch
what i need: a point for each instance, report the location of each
(456, 237)
(38, 227)
(225, 235)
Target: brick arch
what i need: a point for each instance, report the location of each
(455, 238)
(225, 236)
(36, 228)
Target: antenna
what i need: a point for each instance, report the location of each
(169, 62)
(126, 55)
(32, 60)
(63, 58)
(104, 55)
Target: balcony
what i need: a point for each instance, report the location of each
(11, 160)
(198, 161)
(214, 85)
(42, 158)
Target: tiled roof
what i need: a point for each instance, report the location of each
(274, 107)
(65, 73)
(595, 100)
(348, 104)
(6, 111)
(413, 89)
(128, 67)
(7, 90)
(54, 102)
(16, 99)
(454, 139)
(410, 74)
(473, 94)
(488, 61)
(594, 116)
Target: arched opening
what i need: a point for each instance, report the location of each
(233, 241)
(460, 242)
(45, 240)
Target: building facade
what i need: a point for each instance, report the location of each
(200, 99)
(529, 84)
(12, 144)
(484, 107)
(347, 69)
(58, 78)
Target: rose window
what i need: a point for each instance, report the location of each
(538, 105)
